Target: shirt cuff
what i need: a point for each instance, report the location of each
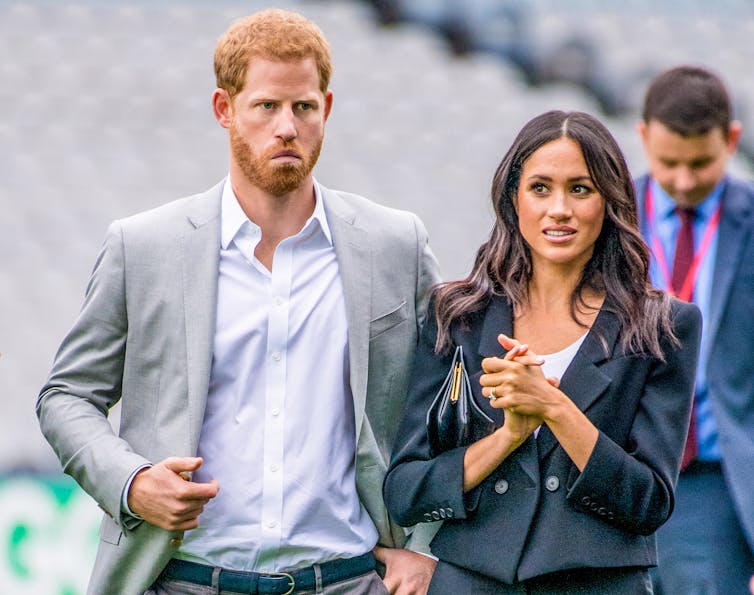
(124, 498)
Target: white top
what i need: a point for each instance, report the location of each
(279, 432)
(556, 363)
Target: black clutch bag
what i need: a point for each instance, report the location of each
(454, 419)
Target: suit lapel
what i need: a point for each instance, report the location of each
(200, 254)
(353, 251)
(730, 243)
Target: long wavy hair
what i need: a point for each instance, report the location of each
(618, 267)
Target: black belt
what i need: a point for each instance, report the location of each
(272, 582)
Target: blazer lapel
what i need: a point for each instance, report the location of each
(583, 380)
(353, 251)
(730, 243)
(201, 255)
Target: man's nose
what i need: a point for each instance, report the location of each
(684, 180)
(286, 125)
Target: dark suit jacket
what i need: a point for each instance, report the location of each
(730, 335)
(536, 513)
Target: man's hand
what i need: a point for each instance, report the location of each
(406, 572)
(163, 495)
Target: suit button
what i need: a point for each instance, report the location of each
(501, 486)
(449, 512)
(175, 542)
(427, 517)
(552, 483)
(585, 500)
(435, 515)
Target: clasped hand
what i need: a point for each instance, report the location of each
(515, 383)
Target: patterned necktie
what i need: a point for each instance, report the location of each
(684, 255)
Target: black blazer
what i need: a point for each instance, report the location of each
(536, 513)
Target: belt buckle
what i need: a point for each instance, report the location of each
(286, 575)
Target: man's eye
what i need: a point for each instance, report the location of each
(304, 106)
(267, 104)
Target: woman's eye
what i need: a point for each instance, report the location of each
(539, 188)
(581, 189)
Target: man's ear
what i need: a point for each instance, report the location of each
(328, 103)
(641, 128)
(734, 136)
(222, 107)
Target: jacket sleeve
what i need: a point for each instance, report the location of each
(85, 383)
(419, 488)
(632, 486)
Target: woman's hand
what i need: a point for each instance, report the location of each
(519, 424)
(521, 388)
(515, 383)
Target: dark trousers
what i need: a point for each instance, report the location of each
(453, 580)
(702, 549)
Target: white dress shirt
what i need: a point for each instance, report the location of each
(279, 433)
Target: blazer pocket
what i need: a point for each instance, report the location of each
(385, 322)
(109, 531)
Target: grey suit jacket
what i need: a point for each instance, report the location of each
(730, 342)
(144, 338)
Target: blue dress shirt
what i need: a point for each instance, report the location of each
(665, 227)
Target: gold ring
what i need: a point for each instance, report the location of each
(493, 396)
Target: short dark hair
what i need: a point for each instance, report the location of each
(689, 100)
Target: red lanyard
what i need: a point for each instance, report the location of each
(687, 289)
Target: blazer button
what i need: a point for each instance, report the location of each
(552, 483)
(442, 513)
(435, 515)
(501, 486)
(427, 517)
(175, 542)
(449, 512)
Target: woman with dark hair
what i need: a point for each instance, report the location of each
(588, 400)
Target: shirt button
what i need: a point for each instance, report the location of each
(552, 483)
(275, 412)
(276, 356)
(272, 524)
(501, 486)
(273, 467)
(175, 542)
(278, 301)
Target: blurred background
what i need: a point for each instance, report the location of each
(104, 111)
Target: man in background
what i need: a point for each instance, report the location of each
(259, 337)
(699, 223)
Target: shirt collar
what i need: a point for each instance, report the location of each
(665, 206)
(232, 217)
